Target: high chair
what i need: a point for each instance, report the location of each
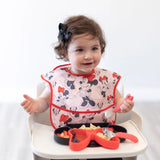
(44, 147)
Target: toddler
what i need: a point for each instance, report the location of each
(79, 92)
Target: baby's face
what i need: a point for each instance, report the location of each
(84, 53)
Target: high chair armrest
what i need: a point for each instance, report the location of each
(132, 115)
(30, 123)
(137, 119)
(41, 118)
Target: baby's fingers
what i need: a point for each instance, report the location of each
(28, 98)
(129, 103)
(23, 103)
(124, 108)
(127, 106)
(27, 105)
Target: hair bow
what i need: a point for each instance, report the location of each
(64, 34)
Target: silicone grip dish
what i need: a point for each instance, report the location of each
(85, 136)
(59, 139)
(92, 143)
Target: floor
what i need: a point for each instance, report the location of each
(14, 136)
(15, 140)
(151, 128)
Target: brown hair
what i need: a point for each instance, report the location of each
(77, 25)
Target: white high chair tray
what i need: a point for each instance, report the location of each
(43, 145)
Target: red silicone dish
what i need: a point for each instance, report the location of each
(92, 143)
(85, 136)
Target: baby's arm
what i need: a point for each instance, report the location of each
(127, 104)
(39, 104)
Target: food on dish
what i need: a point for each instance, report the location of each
(64, 134)
(90, 127)
(103, 136)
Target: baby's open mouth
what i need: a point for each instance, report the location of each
(87, 64)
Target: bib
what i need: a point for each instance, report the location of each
(81, 98)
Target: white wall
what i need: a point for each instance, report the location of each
(29, 27)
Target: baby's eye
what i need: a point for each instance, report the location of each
(95, 48)
(79, 50)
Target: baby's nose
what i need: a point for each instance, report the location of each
(87, 55)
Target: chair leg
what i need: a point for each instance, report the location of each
(130, 158)
(35, 157)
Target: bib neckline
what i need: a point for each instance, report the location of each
(83, 75)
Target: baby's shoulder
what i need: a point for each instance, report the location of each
(103, 71)
(106, 72)
(57, 72)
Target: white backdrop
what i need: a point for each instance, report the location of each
(29, 28)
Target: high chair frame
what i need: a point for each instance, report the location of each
(44, 120)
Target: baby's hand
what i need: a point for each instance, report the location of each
(29, 104)
(127, 105)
